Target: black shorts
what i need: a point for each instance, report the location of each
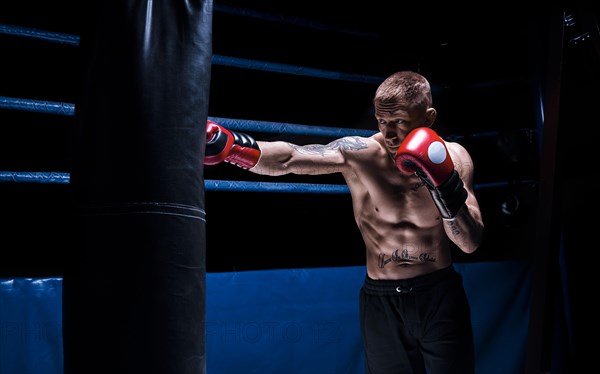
(417, 325)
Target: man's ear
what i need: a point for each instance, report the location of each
(430, 116)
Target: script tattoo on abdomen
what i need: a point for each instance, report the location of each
(403, 256)
(347, 143)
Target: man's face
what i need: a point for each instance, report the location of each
(394, 126)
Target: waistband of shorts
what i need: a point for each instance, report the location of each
(398, 286)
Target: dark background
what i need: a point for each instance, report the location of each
(489, 67)
(519, 89)
(485, 65)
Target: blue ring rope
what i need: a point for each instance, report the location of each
(295, 21)
(39, 106)
(209, 185)
(34, 177)
(67, 109)
(48, 36)
(223, 185)
(289, 128)
(246, 186)
(274, 67)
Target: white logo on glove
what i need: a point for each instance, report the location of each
(436, 152)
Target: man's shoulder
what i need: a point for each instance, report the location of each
(455, 147)
(460, 156)
(354, 142)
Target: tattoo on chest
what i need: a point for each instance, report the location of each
(347, 143)
(399, 256)
(417, 185)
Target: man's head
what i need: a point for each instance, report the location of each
(402, 103)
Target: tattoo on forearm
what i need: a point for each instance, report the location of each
(453, 228)
(399, 256)
(347, 143)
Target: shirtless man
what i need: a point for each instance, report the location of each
(412, 193)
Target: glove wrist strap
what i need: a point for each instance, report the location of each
(450, 196)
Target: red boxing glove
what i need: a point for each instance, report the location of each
(424, 149)
(423, 152)
(235, 148)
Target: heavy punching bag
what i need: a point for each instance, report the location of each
(134, 284)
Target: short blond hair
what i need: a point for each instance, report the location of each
(404, 88)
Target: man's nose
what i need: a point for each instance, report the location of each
(391, 136)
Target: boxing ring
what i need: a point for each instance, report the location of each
(272, 321)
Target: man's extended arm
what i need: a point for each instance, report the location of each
(277, 157)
